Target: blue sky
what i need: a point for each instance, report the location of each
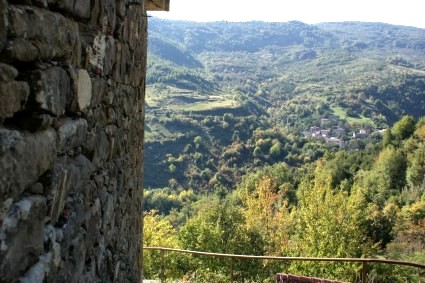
(405, 12)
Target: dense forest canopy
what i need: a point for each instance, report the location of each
(286, 139)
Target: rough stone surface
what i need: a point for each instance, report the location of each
(84, 89)
(25, 159)
(8, 139)
(7, 73)
(22, 236)
(47, 35)
(71, 140)
(96, 53)
(3, 23)
(71, 134)
(50, 89)
(13, 96)
(77, 8)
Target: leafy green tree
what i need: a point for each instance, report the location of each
(263, 144)
(390, 169)
(172, 168)
(415, 173)
(257, 152)
(327, 224)
(404, 128)
(387, 138)
(276, 150)
(219, 226)
(158, 232)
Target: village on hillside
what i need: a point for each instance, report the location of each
(331, 132)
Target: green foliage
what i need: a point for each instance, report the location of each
(227, 104)
(415, 172)
(404, 128)
(390, 168)
(219, 227)
(276, 150)
(388, 138)
(327, 224)
(172, 168)
(158, 232)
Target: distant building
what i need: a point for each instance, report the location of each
(324, 133)
(361, 134)
(378, 132)
(314, 129)
(336, 141)
(316, 134)
(338, 130)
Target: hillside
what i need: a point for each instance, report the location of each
(285, 139)
(245, 88)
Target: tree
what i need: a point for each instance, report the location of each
(387, 138)
(266, 213)
(327, 224)
(404, 128)
(257, 152)
(415, 173)
(219, 226)
(409, 242)
(276, 150)
(172, 168)
(158, 232)
(198, 141)
(391, 169)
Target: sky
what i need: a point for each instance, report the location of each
(398, 12)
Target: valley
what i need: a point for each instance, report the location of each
(285, 139)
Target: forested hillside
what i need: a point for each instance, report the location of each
(282, 76)
(286, 139)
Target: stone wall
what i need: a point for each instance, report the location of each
(72, 78)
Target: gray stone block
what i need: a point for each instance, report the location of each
(53, 35)
(22, 236)
(25, 160)
(69, 175)
(50, 89)
(13, 96)
(99, 88)
(20, 49)
(38, 272)
(7, 73)
(90, 212)
(8, 139)
(84, 89)
(101, 149)
(71, 134)
(109, 55)
(81, 9)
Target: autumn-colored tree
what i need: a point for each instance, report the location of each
(266, 213)
(158, 232)
(409, 242)
(327, 223)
